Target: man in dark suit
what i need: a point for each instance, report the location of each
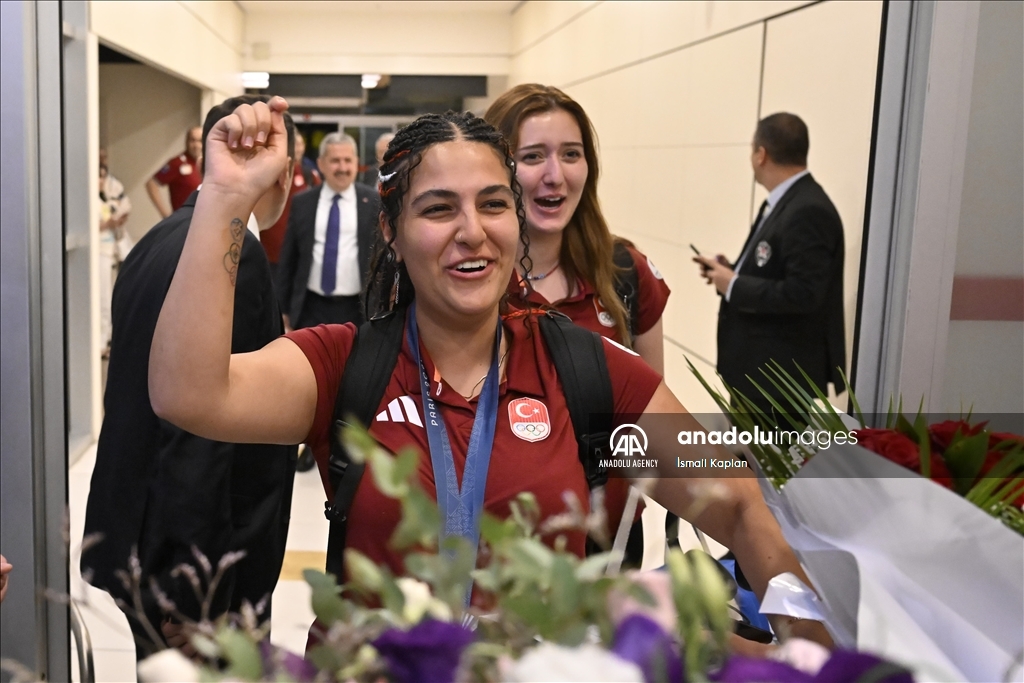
(326, 252)
(158, 491)
(783, 298)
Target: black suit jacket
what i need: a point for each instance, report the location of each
(787, 301)
(162, 490)
(297, 251)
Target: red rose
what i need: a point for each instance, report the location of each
(891, 445)
(902, 450)
(942, 433)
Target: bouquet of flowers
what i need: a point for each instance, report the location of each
(911, 534)
(984, 466)
(538, 613)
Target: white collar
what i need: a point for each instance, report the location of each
(253, 226)
(327, 194)
(775, 195)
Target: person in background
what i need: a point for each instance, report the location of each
(369, 176)
(572, 250)
(273, 237)
(310, 174)
(181, 174)
(326, 251)
(782, 300)
(158, 491)
(114, 241)
(5, 569)
(451, 228)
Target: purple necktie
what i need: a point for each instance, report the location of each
(329, 274)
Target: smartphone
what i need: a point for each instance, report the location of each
(695, 250)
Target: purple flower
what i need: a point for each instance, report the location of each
(641, 640)
(277, 659)
(427, 653)
(842, 667)
(750, 670)
(849, 667)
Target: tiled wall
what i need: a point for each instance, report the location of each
(675, 90)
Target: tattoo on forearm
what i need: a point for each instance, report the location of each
(231, 258)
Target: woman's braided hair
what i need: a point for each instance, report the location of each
(402, 157)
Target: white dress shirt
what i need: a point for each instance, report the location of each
(773, 199)
(347, 281)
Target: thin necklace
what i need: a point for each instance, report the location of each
(533, 278)
(501, 360)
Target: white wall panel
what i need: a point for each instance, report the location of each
(336, 41)
(195, 41)
(985, 367)
(533, 21)
(594, 39)
(143, 118)
(820, 63)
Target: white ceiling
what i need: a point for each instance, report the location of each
(384, 6)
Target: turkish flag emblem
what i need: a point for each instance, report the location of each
(529, 419)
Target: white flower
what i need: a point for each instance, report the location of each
(168, 666)
(590, 663)
(419, 601)
(805, 655)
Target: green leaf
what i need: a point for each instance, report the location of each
(241, 653)
(420, 523)
(593, 567)
(965, 457)
(328, 606)
(494, 530)
(565, 589)
(391, 596)
(363, 572)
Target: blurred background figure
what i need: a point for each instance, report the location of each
(369, 176)
(114, 241)
(182, 175)
(302, 179)
(310, 173)
(5, 569)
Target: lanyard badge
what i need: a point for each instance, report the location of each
(460, 509)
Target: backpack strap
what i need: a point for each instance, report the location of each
(627, 284)
(367, 373)
(579, 359)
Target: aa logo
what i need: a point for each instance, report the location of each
(628, 441)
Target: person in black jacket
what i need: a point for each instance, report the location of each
(782, 300)
(325, 257)
(159, 491)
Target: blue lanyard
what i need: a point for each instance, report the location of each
(460, 510)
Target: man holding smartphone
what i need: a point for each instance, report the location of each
(782, 299)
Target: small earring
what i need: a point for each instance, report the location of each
(394, 289)
(389, 255)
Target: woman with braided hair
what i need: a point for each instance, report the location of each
(578, 267)
(452, 227)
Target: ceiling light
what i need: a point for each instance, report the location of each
(370, 81)
(256, 80)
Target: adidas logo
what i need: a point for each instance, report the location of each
(401, 409)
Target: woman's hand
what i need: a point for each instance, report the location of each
(247, 151)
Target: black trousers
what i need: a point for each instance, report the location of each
(325, 310)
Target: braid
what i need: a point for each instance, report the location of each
(403, 155)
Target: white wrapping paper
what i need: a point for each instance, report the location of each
(906, 568)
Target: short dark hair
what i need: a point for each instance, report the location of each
(784, 138)
(228, 106)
